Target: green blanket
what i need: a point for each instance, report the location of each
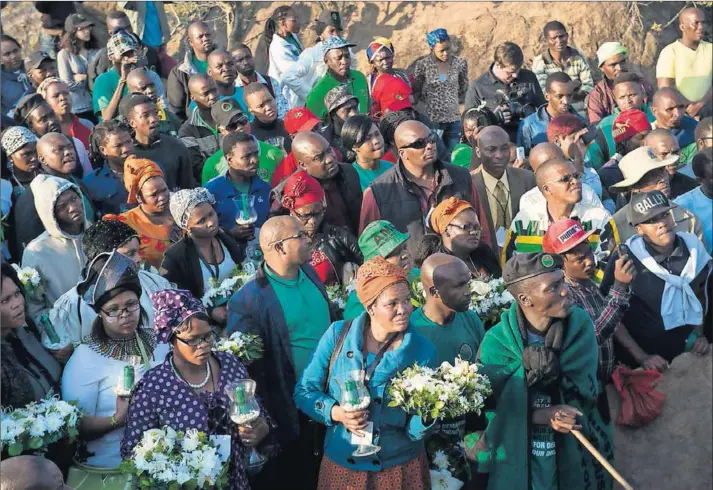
(507, 434)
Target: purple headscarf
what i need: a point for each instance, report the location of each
(172, 307)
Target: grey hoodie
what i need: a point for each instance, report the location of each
(56, 255)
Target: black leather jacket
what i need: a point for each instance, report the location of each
(339, 245)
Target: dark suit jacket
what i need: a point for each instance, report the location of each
(520, 182)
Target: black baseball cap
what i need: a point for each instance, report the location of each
(330, 18)
(76, 21)
(647, 205)
(528, 265)
(34, 60)
(225, 111)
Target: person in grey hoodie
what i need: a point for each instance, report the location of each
(13, 78)
(57, 254)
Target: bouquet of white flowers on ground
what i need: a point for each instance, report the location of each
(37, 425)
(489, 299)
(447, 463)
(166, 459)
(219, 292)
(33, 282)
(444, 393)
(245, 346)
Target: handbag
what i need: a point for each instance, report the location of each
(639, 402)
(320, 430)
(85, 477)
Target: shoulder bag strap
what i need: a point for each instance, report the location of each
(338, 348)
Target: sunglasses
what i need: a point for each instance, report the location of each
(467, 228)
(421, 143)
(308, 216)
(299, 236)
(236, 123)
(567, 179)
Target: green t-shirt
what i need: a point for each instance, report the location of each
(306, 315)
(542, 444)
(461, 155)
(366, 177)
(104, 88)
(201, 66)
(461, 337)
(270, 158)
(357, 86)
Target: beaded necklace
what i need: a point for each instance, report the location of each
(123, 349)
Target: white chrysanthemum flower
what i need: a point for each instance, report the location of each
(38, 427)
(54, 422)
(183, 474)
(440, 460)
(480, 288)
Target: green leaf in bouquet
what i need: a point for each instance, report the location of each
(15, 449)
(174, 486)
(393, 403)
(36, 442)
(190, 485)
(127, 466)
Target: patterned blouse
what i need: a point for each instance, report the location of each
(442, 97)
(161, 398)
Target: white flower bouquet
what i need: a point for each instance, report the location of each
(337, 296)
(489, 299)
(447, 463)
(32, 281)
(166, 459)
(37, 425)
(444, 393)
(246, 347)
(219, 292)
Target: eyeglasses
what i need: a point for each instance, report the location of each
(467, 228)
(299, 236)
(421, 143)
(567, 179)
(308, 216)
(234, 124)
(208, 338)
(116, 312)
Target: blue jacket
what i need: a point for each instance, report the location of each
(255, 309)
(533, 129)
(224, 192)
(107, 191)
(400, 436)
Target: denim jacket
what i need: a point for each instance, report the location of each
(399, 435)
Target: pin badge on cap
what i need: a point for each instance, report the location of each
(547, 260)
(226, 106)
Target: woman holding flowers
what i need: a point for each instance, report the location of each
(188, 391)
(205, 253)
(381, 342)
(456, 231)
(29, 372)
(119, 339)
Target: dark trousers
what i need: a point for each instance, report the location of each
(296, 467)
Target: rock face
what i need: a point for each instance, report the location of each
(476, 27)
(675, 451)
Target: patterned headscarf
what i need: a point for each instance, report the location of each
(446, 212)
(105, 236)
(136, 172)
(301, 189)
(172, 307)
(374, 277)
(15, 138)
(183, 203)
(377, 45)
(42, 89)
(436, 36)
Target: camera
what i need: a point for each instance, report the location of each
(517, 99)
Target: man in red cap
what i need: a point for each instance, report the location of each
(629, 130)
(568, 239)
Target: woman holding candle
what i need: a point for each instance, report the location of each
(119, 340)
(188, 390)
(381, 342)
(205, 252)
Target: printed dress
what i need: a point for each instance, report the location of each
(161, 398)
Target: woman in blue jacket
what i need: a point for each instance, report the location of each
(382, 342)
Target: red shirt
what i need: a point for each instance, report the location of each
(81, 132)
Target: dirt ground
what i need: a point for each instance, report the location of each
(476, 27)
(675, 451)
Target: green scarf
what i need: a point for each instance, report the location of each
(507, 434)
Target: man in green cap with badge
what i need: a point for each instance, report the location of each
(542, 363)
(380, 238)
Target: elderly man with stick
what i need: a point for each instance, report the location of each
(542, 362)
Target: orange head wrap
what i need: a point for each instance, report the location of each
(136, 172)
(374, 277)
(446, 212)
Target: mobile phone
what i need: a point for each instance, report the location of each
(624, 250)
(589, 136)
(520, 153)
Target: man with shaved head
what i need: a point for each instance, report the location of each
(30, 473)
(503, 184)
(704, 133)
(406, 193)
(286, 305)
(543, 152)
(339, 181)
(687, 63)
(665, 145)
(669, 108)
(200, 45)
(200, 133)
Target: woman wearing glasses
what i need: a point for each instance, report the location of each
(456, 231)
(205, 252)
(119, 338)
(335, 251)
(187, 391)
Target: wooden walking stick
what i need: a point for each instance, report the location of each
(601, 459)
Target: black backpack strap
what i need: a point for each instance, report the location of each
(338, 348)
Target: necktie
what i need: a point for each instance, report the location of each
(502, 213)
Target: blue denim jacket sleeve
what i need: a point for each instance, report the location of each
(310, 396)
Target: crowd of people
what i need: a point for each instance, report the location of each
(133, 183)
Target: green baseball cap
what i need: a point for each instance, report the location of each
(380, 238)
